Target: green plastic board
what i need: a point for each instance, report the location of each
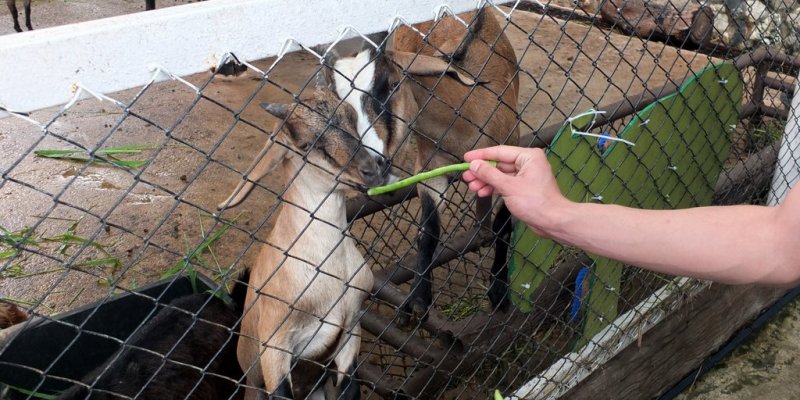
(679, 145)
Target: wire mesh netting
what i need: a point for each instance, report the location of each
(127, 274)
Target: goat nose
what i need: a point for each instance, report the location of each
(381, 161)
(368, 172)
(371, 176)
(384, 164)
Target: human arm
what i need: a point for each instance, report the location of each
(728, 244)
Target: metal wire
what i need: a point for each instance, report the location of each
(199, 133)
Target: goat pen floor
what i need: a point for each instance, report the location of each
(764, 367)
(158, 229)
(548, 95)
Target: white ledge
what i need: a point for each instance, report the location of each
(107, 55)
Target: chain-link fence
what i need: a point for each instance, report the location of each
(129, 275)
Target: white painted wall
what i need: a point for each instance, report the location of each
(38, 68)
(787, 170)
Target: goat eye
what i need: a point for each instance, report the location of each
(305, 147)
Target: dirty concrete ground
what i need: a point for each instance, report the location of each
(143, 221)
(764, 367)
(47, 13)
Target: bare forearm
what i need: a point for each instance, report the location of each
(734, 244)
(731, 244)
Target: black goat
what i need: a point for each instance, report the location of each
(12, 6)
(187, 351)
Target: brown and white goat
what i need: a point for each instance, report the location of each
(12, 6)
(309, 281)
(457, 90)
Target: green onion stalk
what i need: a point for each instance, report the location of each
(421, 177)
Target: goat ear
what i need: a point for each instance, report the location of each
(324, 77)
(418, 64)
(323, 80)
(330, 56)
(379, 38)
(265, 162)
(279, 110)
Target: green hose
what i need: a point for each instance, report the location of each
(421, 177)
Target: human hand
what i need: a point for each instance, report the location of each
(523, 177)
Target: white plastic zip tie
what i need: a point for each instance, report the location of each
(614, 138)
(287, 44)
(291, 43)
(647, 121)
(78, 88)
(230, 56)
(253, 67)
(399, 20)
(158, 69)
(492, 4)
(592, 112)
(343, 31)
(21, 116)
(443, 10)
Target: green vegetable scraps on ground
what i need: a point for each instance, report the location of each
(421, 177)
(102, 156)
(195, 255)
(12, 242)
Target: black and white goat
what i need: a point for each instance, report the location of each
(457, 90)
(12, 6)
(309, 280)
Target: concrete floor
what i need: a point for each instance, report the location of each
(764, 367)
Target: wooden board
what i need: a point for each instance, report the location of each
(677, 345)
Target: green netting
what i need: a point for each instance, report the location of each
(680, 143)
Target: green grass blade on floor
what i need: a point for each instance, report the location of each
(108, 155)
(195, 255)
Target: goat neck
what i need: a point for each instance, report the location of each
(312, 219)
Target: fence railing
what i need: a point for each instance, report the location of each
(133, 178)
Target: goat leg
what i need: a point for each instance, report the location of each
(349, 388)
(28, 15)
(12, 7)
(284, 390)
(415, 308)
(498, 282)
